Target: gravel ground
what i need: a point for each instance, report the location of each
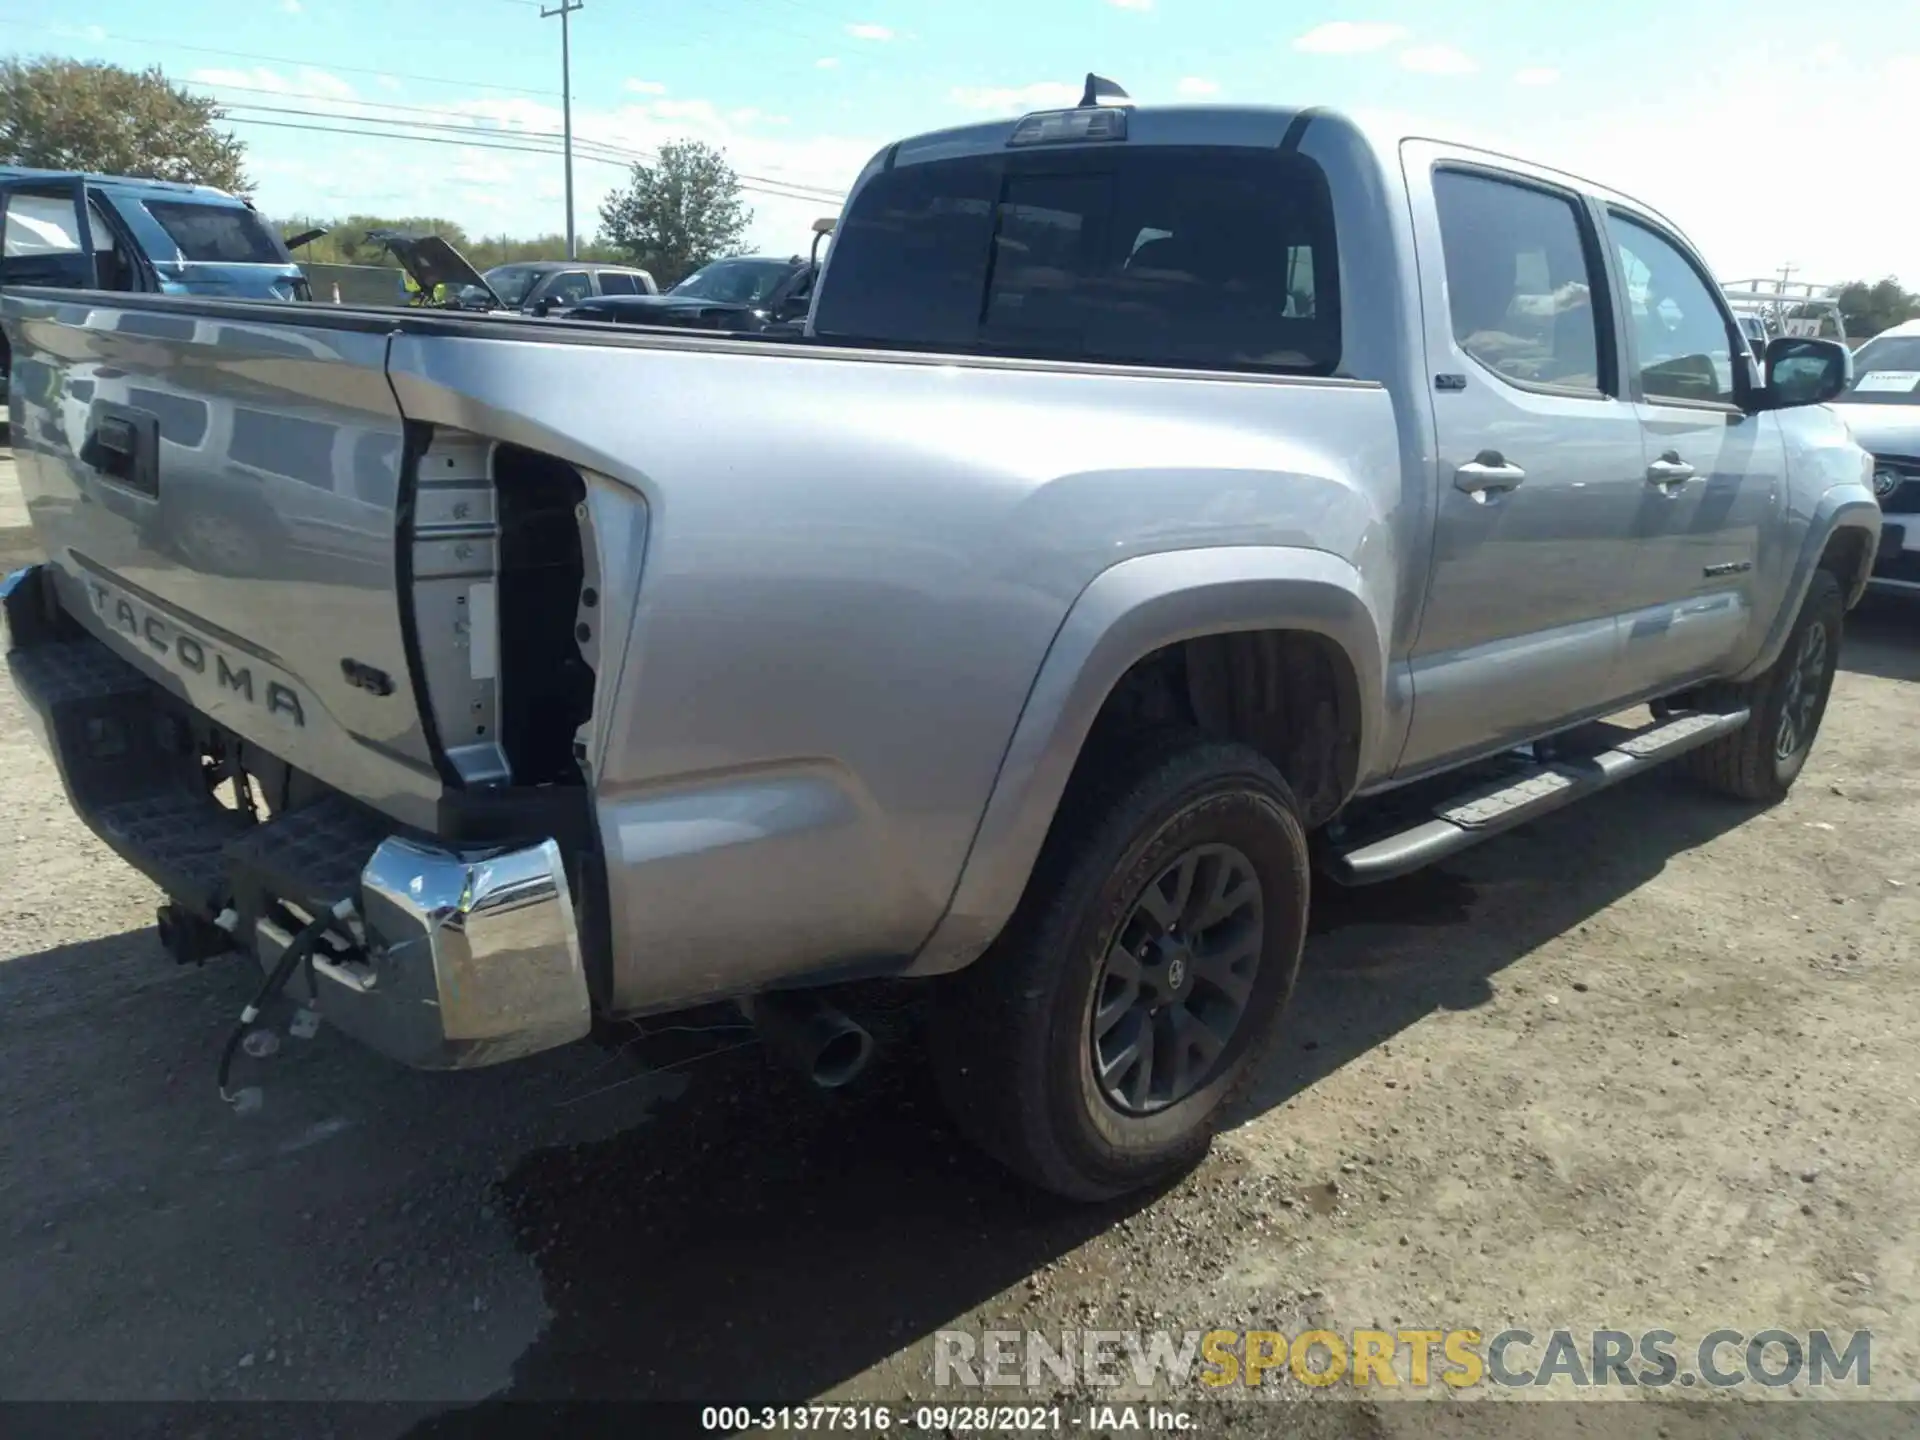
(1646, 1063)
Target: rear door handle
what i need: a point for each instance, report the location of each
(1488, 473)
(1670, 469)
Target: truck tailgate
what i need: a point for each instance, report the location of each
(222, 501)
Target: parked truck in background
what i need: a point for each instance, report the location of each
(1153, 490)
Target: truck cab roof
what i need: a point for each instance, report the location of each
(1213, 126)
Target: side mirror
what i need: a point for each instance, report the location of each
(1804, 371)
(539, 307)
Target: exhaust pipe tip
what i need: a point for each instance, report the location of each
(842, 1058)
(819, 1040)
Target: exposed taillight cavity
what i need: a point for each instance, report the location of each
(501, 590)
(548, 614)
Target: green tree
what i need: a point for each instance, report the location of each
(678, 213)
(345, 242)
(492, 250)
(1871, 308)
(60, 114)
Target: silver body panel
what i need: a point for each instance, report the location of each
(859, 609)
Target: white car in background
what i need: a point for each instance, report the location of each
(1882, 408)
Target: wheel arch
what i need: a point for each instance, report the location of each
(1237, 599)
(1840, 536)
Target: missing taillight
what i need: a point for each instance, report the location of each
(546, 661)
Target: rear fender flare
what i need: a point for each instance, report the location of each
(1129, 611)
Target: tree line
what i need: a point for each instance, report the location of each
(345, 242)
(670, 217)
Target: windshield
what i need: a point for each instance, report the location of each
(510, 282)
(735, 282)
(1886, 372)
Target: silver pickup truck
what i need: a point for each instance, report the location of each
(1163, 507)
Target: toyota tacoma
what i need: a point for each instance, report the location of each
(1164, 512)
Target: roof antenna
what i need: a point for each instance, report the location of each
(1100, 89)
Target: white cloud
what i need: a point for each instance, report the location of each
(292, 7)
(1744, 221)
(1350, 37)
(307, 83)
(827, 62)
(96, 33)
(1041, 95)
(703, 114)
(1131, 4)
(389, 82)
(494, 192)
(1437, 60)
(644, 87)
(1196, 88)
(1537, 75)
(1828, 52)
(481, 168)
(869, 32)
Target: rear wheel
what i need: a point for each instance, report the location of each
(1092, 1047)
(1762, 759)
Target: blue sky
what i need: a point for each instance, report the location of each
(1771, 140)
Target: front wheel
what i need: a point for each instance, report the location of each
(1761, 760)
(1093, 1046)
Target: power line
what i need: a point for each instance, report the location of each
(457, 124)
(481, 124)
(757, 187)
(337, 99)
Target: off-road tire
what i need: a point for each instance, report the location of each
(1744, 764)
(1010, 1039)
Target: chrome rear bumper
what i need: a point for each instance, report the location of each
(470, 958)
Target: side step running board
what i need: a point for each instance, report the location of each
(1475, 815)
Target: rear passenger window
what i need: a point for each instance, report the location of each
(1207, 258)
(1519, 289)
(616, 282)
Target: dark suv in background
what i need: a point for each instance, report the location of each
(741, 292)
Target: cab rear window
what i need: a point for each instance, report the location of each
(228, 233)
(1210, 258)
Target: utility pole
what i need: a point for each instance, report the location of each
(563, 10)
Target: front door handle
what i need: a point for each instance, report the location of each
(1488, 473)
(1670, 469)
